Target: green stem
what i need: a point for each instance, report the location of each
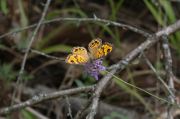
(142, 90)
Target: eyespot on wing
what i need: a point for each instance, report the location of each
(106, 48)
(95, 43)
(94, 47)
(78, 50)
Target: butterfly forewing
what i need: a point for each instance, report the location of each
(105, 49)
(76, 59)
(94, 47)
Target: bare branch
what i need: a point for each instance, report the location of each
(45, 97)
(169, 73)
(80, 112)
(100, 86)
(48, 56)
(159, 78)
(81, 20)
(69, 107)
(27, 50)
(147, 44)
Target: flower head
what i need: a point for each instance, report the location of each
(93, 67)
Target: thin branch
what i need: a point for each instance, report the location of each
(81, 20)
(32, 111)
(45, 97)
(159, 78)
(69, 107)
(48, 56)
(169, 73)
(27, 50)
(147, 44)
(135, 53)
(83, 109)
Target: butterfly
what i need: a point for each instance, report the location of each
(96, 51)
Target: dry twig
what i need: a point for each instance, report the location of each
(45, 97)
(169, 74)
(27, 50)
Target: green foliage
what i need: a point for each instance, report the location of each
(26, 76)
(158, 65)
(112, 15)
(115, 115)
(54, 48)
(106, 28)
(117, 38)
(88, 79)
(1, 45)
(171, 18)
(79, 83)
(154, 10)
(23, 43)
(57, 48)
(82, 14)
(132, 92)
(5, 71)
(111, 98)
(3, 6)
(24, 19)
(50, 35)
(150, 110)
(24, 23)
(27, 114)
(73, 10)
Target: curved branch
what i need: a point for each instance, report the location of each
(82, 19)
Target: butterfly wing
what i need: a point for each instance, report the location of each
(79, 56)
(105, 49)
(94, 46)
(75, 59)
(96, 49)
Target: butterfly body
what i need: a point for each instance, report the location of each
(96, 51)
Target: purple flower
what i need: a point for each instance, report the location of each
(93, 67)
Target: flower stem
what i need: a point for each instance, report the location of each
(142, 90)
